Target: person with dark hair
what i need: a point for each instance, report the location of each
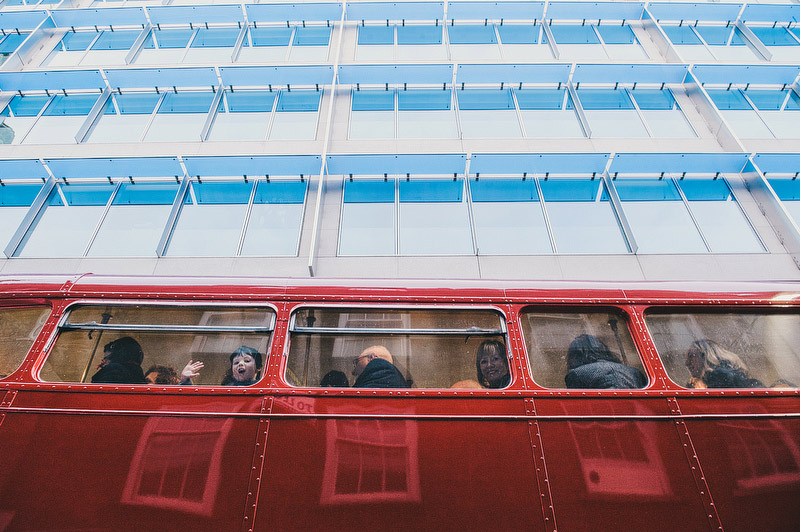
(122, 363)
(592, 365)
(491, 364)
(713, 366)
(374, 368)
(246, 363)
(335, 379)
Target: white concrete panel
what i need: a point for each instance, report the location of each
(483, 124)
(239, 126)
(119, 128)
(372, 125)
(54, 130)
(427, 124)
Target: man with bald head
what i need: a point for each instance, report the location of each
(374, 368)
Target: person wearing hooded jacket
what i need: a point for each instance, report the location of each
(592, 365)
(122, 363)
(374, 368)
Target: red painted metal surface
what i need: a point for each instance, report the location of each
(273, 457)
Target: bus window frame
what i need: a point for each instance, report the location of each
(628, 313)
(503, 312)
(716, 309)
(33, 354)
(67, 306)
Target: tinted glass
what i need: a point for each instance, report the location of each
(19, 328)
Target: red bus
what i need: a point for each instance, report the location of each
(497, 405)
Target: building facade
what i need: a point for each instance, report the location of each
(461, 139)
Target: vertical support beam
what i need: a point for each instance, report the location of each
(212, 113)
(551, 42)
(579, 109)
(716, 122)
(754, 42)
(93, 116)
(138, 44)
(31, 217)
(173, 216)
(616, 204)
(659, 37)
(312, 250)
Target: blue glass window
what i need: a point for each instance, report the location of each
(215, 38)
(571, 189)
(83, 195)
(146, 194)
(495, 190)
(540, 98)
(794, 102)
(115, 40)
(431, 191)
(729, 100)
(270, 36)
(76, 41)
(312, 36)
(419, 35)
(280, 192)
(705, 189)
(177, 38)
(217, 193)
(370, 191)
(682, 35)
(518, 34)
(376, 35)
(250, 101)
(299, 101)
(134, 104)
(617, 34)
(471, 34)
(574, 34)
(485, 99)
(71, 105)
(18, 195)
(646, 190)
(719, 35)
(423, 100)
(11, 42)
(786, 189)
(649, 99)
(775, 36)
(186, 102)
(795, 31)
(27, 105)
(373, 100)
(595, 99)
(767, 100)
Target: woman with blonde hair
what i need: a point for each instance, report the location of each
(713, 366)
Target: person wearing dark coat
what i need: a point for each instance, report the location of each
(592, 365)
(122, 363)
(335, 379)
(374, 368)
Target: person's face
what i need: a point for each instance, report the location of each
(243, 367)
(106, 358)
(493, 368)
(361, 361)
(695, 362)
(151, 377)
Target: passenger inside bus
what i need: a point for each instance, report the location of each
(246, 364)
(161, 375)
(335, 379)
(122, 363)
(374, 368)
(591, 364)
(491, 364)
(713, 366)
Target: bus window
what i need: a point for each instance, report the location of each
(728, 349)
(19, 327)
(585, 350)
(169, 337)
(334, 347)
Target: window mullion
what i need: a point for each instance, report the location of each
(639, 112)
(36, 120)
(519, 114)
(691, 214)
(102, 219)
(616, 207)
(249, 210)
(172, 219)
(546, 216)
(397, 215)
(468, 191)
(757, 112)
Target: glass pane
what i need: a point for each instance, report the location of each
(728, 349)
(275, 219)
(418, 361)
(668, 124)
(250, 101)
(15, 201)
(412, 35)
(27, 105)
(777, 36)
(508, 217)
(423, 100)
(720, 35)
(653, 99)
(564, 34)
(471, 34)
(372, 124)
(299, 125)
(427, 124)
(71, 105)
(76, 41)
(375, 35)
(367, 226)
(581, 217)
(135, 104)
(11, 42)
(589, 350)
(19, 328)
(373, 100)
(485, 99)
(175, 38)
(681, 35)
(768, 100)
(312, 36)
(215, 37)
(433, 218)
(615, 123)
(518, 34)
(186, 102)
(593, 99)
(747, 124)
(299, 100)
(76, 354)
(616, 34)
(270, 36)
(551, 124)
(541, 98)
(116, 40)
